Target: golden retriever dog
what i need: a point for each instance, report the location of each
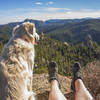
(17, 62)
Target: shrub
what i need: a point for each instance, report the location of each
(92, 79)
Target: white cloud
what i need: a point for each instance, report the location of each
(50, 2)
(38, 3)
(82, 14)
(41, 3)
(69, 12)
(52, 9)
(44, 14)
(86, 10)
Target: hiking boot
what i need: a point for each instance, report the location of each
(53, 72)
(77, 73)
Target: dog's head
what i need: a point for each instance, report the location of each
(26, 30)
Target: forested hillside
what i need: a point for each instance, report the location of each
(64, 54)
(76, 32)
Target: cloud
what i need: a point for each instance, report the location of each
(45, 14)
(82, 14)
(50, 2)
(41, 3)
(87, 10)
(53, 9)
(38, 3)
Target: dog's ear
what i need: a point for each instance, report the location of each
(29, 28)
(25, 28)
(14, 30)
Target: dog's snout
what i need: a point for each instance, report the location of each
(36, 36)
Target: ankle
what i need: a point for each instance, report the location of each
(78, 84)
(54, 83)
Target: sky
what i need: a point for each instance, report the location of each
(19, 10)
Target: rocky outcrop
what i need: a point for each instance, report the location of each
(88, 40)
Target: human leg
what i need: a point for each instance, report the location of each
(55, 93)
(81, 93)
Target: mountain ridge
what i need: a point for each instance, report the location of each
(72, 31)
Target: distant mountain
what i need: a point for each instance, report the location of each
(64, 20)
(44, 26)
(68, 30)
(38, 23)
(76, 32)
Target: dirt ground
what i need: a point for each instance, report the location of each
(41, 86)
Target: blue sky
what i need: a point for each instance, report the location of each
(18, 10)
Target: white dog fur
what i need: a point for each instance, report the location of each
(16, 64)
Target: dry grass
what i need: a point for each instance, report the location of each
(92, 79)
(41, 86)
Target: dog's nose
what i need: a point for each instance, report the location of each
(36, 36)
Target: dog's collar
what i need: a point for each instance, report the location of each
(26, 40)
(36, 41)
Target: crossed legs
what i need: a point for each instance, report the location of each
(81, 93)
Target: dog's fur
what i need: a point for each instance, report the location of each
(16, 64)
